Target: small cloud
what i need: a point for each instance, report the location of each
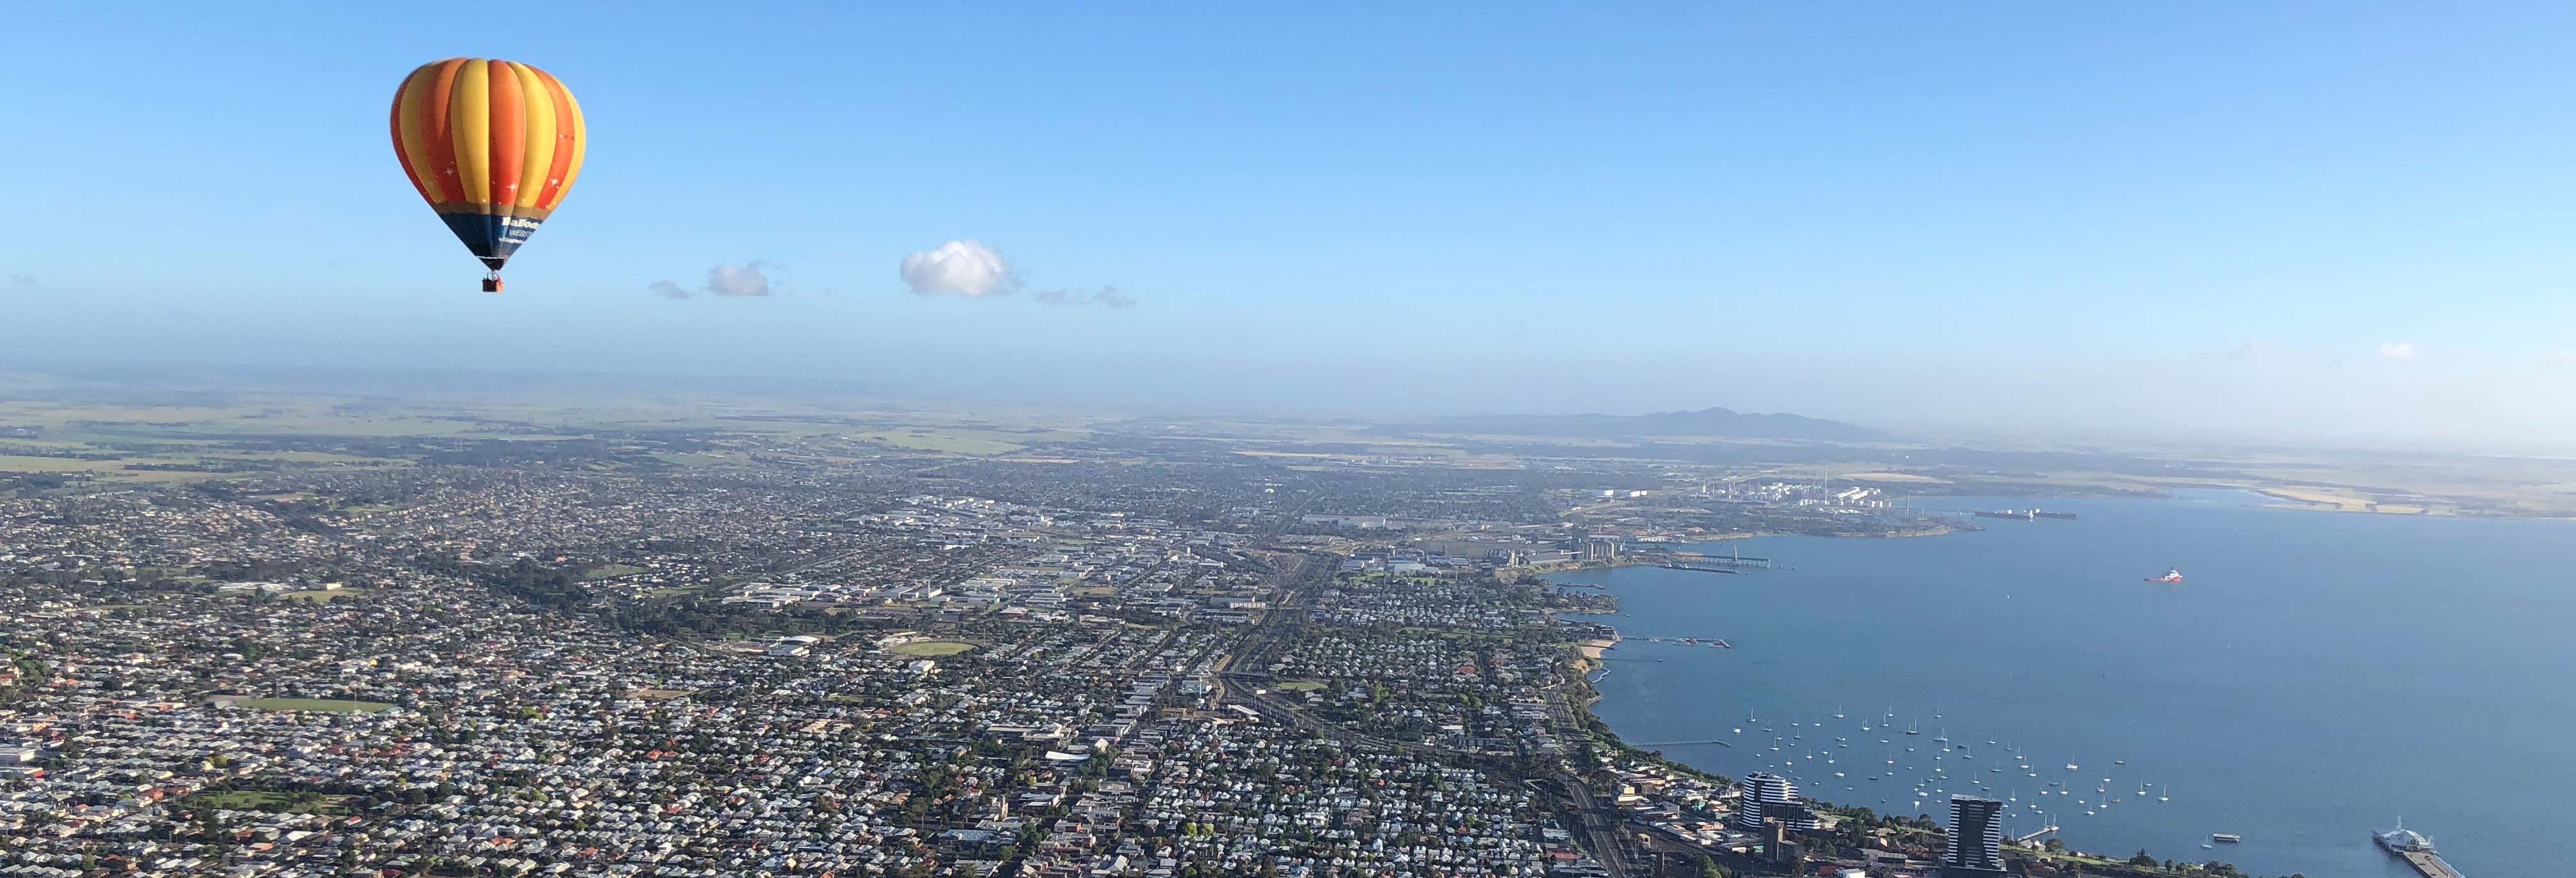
(737, 280)
(959, 268)
(22, 280)
(2245, 351)
(2561, 356)
(2398, 350)
(749, 279)
(1106, 297)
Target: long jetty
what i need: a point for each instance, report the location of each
(2430, 864)
(1717, 642)
(1731, 562)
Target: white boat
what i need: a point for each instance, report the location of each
(2402, 840)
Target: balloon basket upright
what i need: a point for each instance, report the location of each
(492, 282)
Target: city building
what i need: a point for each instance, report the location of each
(1770, 796)
(1976, 838)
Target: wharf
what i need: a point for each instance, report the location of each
(1730, 562)
(2430, 864)
(1712, 642)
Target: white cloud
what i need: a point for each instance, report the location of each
(960, 268)
(737, 280)
(2398, 350)
(749, 279)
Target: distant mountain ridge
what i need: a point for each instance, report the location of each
(1719, 422)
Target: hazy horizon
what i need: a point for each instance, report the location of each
(102, 381)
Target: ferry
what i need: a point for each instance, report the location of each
(2226, 837)
(2402, 840)
(2171, 575)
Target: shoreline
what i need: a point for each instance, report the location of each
(1584, 707)
(1583, 694)
(1642, 557)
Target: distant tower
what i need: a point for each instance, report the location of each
(1976, 838)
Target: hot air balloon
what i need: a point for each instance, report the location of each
(492, 146)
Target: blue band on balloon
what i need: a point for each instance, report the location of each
(492, 238)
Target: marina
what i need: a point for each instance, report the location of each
(2010, 635)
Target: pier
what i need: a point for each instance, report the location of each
(1719, 643)
(2028, 837)
(1684, 743)
(2430, 864)
(1731, 562)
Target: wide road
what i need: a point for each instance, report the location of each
(1595, 821)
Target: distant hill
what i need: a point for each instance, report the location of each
(1718, 422)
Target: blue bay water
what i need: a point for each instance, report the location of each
(2316, 676)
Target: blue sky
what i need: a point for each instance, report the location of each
(2313, 221)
